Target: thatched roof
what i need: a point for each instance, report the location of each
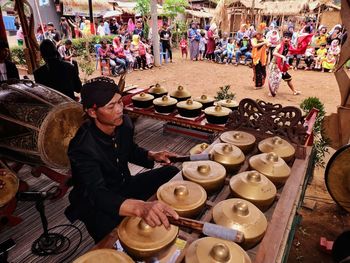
(81, 7)
(246, 3)
(316, 4)
(199, 14)
(292, 7)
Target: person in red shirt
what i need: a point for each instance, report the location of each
(183, 46)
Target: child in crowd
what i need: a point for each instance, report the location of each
(321, 54)
(142, 52)
(149, 57)
(183, 46)
(129, 55)
(230, 50)
(202, 44)
(309, 57)
(328, 63)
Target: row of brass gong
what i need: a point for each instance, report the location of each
(254, 192)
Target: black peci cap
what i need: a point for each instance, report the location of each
(97, 92)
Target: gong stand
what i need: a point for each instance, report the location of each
(60, 178)
(265, 119)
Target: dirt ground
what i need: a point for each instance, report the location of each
(204, 77)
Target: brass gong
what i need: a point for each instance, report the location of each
(142, 241)
(241, 215)
(9, 184)
(215, 250)
(228, 155)
(199, 148)
(337, 177)
(254, 187)
(185, 197)
(210, 175)
(272, 166)
(243, 140)
(279, 146)
(104, 255)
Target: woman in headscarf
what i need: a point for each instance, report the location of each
(335, 33)
(194, 37)
(334, 49)
(260, 45)
(131, 26)
(211, 41)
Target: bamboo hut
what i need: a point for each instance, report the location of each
(328, 14)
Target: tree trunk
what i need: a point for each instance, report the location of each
(155, 35)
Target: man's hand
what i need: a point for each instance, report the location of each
(161, 157)
(154, 213)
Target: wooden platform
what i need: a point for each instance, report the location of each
(274, 247)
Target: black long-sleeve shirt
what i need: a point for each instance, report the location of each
(99, 164)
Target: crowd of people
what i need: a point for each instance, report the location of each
(261, 46)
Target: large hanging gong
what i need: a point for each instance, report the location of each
(337, 177)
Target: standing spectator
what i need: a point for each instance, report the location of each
(106, 27)
(165, 40)
(138, 30)
(149, 57)
(114, 27)
(66, 31)
(76, 27)
(20, 36)
(202, 44)
(194, 37)
(211, 41)
(40, 33)
(52, 34)
(82, 23)
(245, 47)
(101, 29)
(87, 29)
(183, 46)
(131, 26)
(8, 69)
(56, 73)
(259, 55)
(142, 52)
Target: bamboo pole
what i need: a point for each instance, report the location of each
(318, 17)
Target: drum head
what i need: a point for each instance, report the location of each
(337, 177)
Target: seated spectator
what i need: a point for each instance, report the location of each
(244, 49)
(67, 54)
(328, 63)
(135, 49)
(230, 50)
(118, 51)
(130, 58)
(334, 49)
(309, 57)
(105, 53)
(221, 49)
(320, 55)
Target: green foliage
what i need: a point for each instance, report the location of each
(86, 65)
(180, 29)
(174, 7)
(79, 44)
(17, 55)
(225, 93)
(143, 7)
(320, 142)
